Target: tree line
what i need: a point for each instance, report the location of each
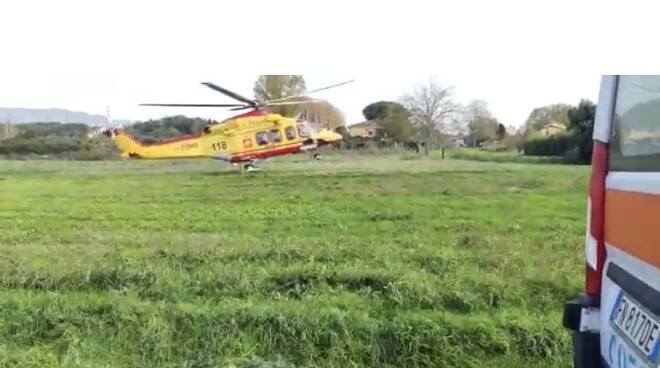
(431, 114)
(70, 140)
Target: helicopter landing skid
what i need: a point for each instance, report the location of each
(251, 166)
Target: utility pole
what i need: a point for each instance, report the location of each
(108, 117)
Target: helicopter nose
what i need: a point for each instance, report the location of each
(332, 136)
(336, 137)
(329, 136)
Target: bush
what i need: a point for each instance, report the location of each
(496, 148)
(556, 145)
(60, 147)
(514, 142)
(510, 156)
(39, 146)
(572, 156)
(69, 130)
(168, 127)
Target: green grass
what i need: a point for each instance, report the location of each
(506, 156)
(379, 261)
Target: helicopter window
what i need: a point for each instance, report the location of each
(275, 135)
(290, 133)
(303, 131)
(262, 138)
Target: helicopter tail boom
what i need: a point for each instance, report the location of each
(186, 146)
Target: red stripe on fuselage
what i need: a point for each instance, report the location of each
(263, 154)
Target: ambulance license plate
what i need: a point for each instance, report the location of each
(637, 325)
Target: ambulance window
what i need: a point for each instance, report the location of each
(275, 135)
(262, 138)
(290, 133)
(303, 132)
(635, 141)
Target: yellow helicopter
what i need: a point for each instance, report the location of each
(255, 135)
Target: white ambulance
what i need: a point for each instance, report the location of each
(616, 323)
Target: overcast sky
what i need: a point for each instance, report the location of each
(85, 55)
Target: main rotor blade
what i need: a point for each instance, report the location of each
(332, 86)
(229, 93)
(192, 105)
(312, 91)
(244, 107)
(291, 102)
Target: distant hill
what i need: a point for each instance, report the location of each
(22, 116)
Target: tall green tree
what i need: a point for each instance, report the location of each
(378, 110)
(272, 87)
(581, 126)
(393, 117)
(541, 116)
(397, 125)
(501, 131)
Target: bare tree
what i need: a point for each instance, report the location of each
(271, 87)
(482, 125)
(323, 114)
(431, 107)
(477, 109)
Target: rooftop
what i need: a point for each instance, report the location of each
(366, 124)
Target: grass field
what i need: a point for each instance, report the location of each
(506, 156)
(378, 261)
